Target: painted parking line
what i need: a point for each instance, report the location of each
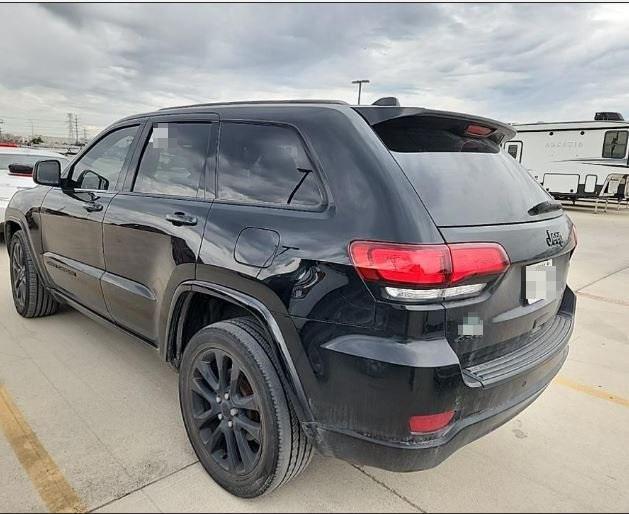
(592, 391)
(56, 493)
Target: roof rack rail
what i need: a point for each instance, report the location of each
(257, 102)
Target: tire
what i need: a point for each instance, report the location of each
(30, 296)
(267, 446)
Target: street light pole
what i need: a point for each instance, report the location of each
(360, 86)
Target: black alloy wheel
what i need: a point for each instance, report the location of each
(18, 275)
(238, 417)
(226, 411)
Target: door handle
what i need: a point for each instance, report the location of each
(93, 207)
(180, 218)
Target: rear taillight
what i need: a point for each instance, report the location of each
(427, 265)
(428, 272)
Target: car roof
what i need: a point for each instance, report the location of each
(371, 113)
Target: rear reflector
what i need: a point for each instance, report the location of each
(430, 423)
(427, 266)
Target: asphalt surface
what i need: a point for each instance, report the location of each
(90, 421)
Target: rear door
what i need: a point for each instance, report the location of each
(72, 217)
(476, 193)
(153, 228)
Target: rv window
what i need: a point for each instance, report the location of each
(615, 144)
(513, 151)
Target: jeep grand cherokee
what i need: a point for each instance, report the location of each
(383, 284)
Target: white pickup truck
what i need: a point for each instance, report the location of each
(21, 176)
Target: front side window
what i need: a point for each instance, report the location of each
(173, 160)
(99, 168)
(615, 144)
(266, 164)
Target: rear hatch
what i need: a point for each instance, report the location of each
(475, 192)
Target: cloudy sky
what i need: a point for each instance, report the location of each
(514, 62)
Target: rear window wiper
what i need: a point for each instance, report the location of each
(301, 181)
(545, 206)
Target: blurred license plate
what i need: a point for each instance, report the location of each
(540, 281)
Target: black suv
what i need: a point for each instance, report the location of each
(383, 284)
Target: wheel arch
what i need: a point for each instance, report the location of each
(171, 346)
(11, 226)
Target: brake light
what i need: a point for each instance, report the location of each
(478, 130)
(424, 266)
(430, 423)
(427, 265)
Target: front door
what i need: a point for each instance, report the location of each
(72, 218)
(152, 230)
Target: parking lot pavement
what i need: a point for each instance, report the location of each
(104, 409)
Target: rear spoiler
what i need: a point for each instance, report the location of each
(375, 114)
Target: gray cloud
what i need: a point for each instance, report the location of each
(516, 62)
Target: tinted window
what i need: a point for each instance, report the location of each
(266, 164)
(414, 134)
(472, 188)
(513, 151)
(615, 144)
(174, 159)
(100, 166)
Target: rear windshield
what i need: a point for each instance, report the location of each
(461, 179)
(414, 134)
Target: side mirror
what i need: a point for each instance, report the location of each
(47, 173)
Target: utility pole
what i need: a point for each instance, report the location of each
(70, 127)
(32, 130)
(360, 86)
(84, 135)
(1, 122)
(76, 129)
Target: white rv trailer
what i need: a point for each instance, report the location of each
(576, 159)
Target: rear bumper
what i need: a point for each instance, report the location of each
(416, 456)
(380, 384)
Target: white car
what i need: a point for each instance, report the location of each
(21, 177)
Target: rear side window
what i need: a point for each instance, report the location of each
(173, 160)
(415, 134)
(615, 144)
(266, 164)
